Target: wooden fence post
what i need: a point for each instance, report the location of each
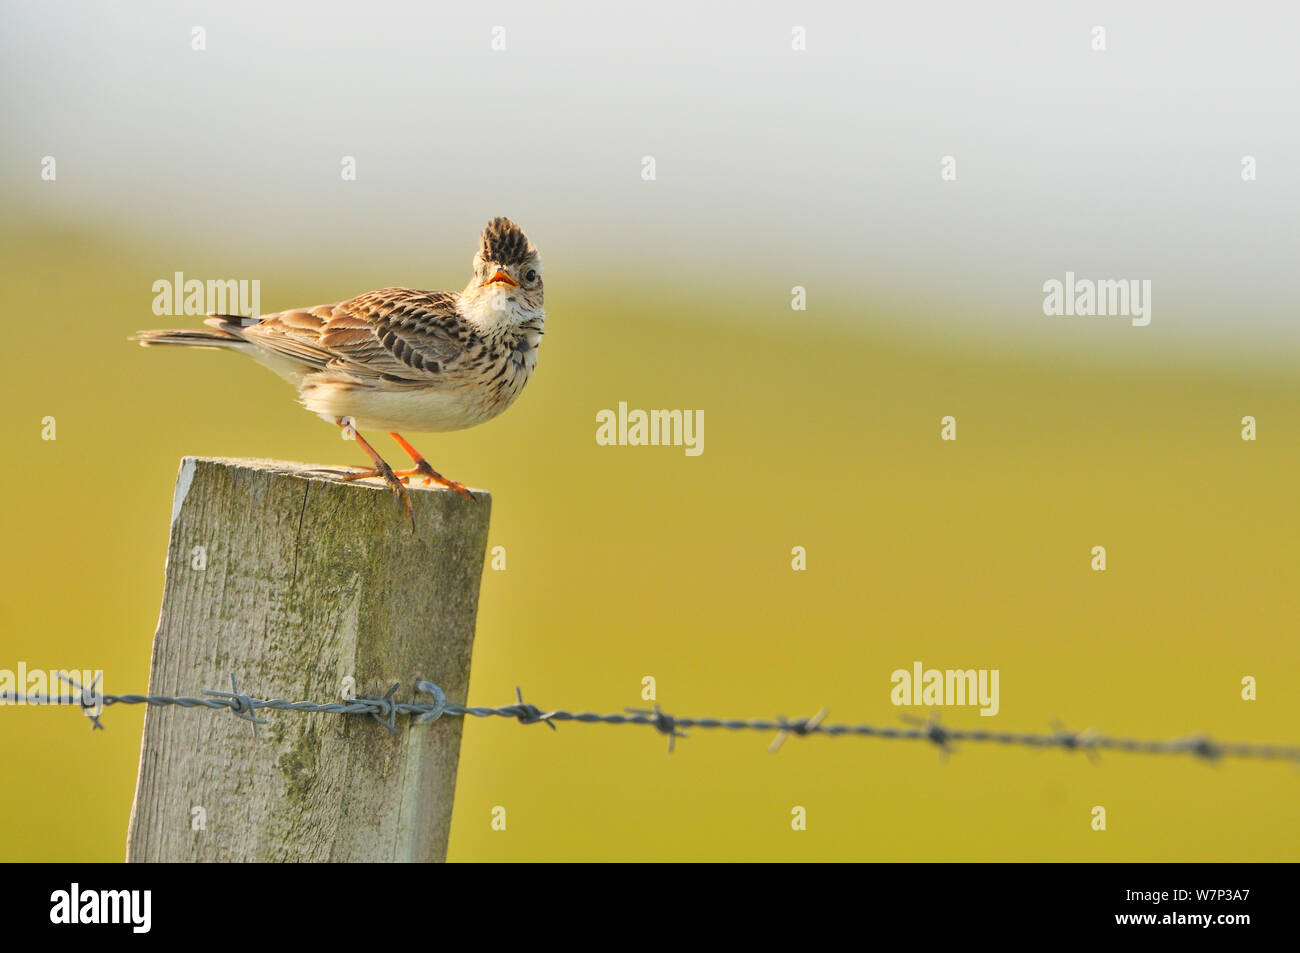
(301, 587)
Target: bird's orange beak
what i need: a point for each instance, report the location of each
(503, 277)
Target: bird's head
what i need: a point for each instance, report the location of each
(507, 270)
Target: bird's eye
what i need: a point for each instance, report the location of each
(531, 276)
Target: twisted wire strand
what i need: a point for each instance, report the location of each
(386, 708)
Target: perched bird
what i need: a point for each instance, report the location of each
(400, 359)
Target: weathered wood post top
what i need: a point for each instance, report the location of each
(308, 588)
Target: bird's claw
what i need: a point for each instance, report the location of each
(349, 475)
(433, 478)
(396, 482)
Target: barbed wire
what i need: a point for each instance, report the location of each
(385, 710)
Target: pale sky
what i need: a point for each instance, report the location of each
(817, 167)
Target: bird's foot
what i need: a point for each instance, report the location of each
(433, 477)
(382, 471)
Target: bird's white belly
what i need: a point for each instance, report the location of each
(424, 410)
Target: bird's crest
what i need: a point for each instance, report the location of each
(505, 242)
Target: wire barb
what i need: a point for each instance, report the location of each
(801, 726)
(383, 710)
(242, 706)
(1203, 747)
(663, 722)
(87, 698)
(934, 733)
(1084, 741)
(529, 714)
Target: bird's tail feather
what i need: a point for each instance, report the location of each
(224, 333)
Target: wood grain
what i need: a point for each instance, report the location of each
(306, 581)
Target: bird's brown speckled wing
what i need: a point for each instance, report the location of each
(395, 334)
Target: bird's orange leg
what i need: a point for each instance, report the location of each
(396, 481)
(423, 469)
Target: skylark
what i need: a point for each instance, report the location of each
(400, 359)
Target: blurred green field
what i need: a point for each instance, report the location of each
(822, 430)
